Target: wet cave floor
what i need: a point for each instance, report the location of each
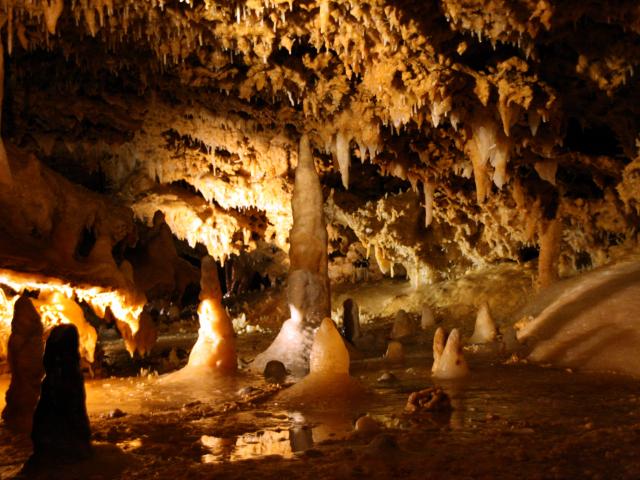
(509, 420)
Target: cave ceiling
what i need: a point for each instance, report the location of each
(462, 128)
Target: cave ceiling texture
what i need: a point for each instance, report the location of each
(448, 135)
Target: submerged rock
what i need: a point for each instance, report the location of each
(61, 430)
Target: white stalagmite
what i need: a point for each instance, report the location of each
(308, 283)
(485, 330)
(450, 364)
(344, 157)
(5, 170)
(429, 189)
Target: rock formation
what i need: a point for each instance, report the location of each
(61, 429)
(308, 282)
(25, 361)
(448, 358)
(215, 347)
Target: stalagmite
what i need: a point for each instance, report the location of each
(550, 239)
(485, 329)
(215, 347)
(351, 320)
(61, 430)
(308, 288)
(344, 157)
(25, 362)
(328, 376)
(329, 355)
(450, 364)
(429, 189)
(427, 318)
(402, 326)
(5, 169)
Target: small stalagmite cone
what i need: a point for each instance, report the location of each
(485, 330)
(451, 363)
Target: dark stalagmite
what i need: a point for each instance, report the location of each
(61, 429)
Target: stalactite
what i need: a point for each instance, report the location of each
(52, 10)
(343, 156)
(429, 189)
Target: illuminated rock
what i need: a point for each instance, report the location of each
(215, 347)
(589, 322)
(328, 379)
(308, 282)
(61, 430)
(56, 309)
(450, 363)
(329, 355)
(25, 362)
(485, 330)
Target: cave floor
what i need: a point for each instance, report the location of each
(508, 421)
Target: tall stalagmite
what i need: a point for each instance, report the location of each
(308, 287)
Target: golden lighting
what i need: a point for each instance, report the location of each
(57, 304)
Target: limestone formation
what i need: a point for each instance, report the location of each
(588, 322)
(308, 282)
(485, 330)
(215, 347)
(448, 358)
(61, 430)
(26, 348)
